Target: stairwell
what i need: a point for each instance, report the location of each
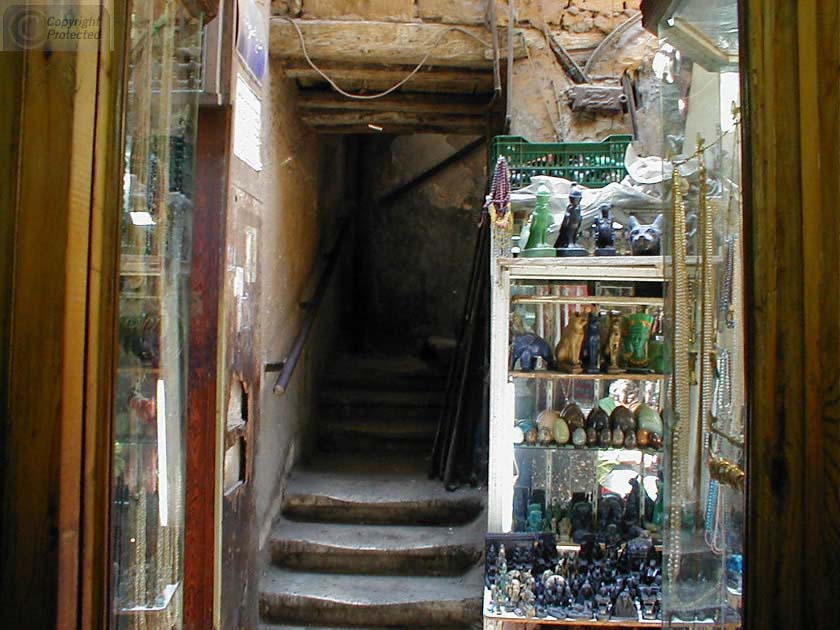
(365, 538)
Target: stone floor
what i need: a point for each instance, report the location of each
(366, 540)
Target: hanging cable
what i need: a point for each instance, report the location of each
(370, 97)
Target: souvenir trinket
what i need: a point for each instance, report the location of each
(617, 437)
(561, 431)
(630, 439)
(603, 230)
(547, 418)
(622, 418)
(605, 438)
(526, 349)
(636, 342)
(570, 227)
(647, 418)
(642, 437)
(597, 419)
(573, 416)
(579, 437)
(541, 221)
(612, 347)
(591, 436)
(544, 436)
(645, 239)
(567, 351)
(592, 345)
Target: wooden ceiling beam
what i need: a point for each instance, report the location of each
(319, 100)
(338, 121)
(380, 77)
(366, 42)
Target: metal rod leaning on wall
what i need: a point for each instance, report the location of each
(288, 365)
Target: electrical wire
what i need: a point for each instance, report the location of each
(370, 97)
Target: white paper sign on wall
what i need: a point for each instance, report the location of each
(247, 125)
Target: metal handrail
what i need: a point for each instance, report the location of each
(288, 365)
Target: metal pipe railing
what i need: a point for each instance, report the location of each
(288, 365)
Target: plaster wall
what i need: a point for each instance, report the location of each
(417, 250)
(292, 203)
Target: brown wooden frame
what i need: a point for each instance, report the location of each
(791, 52)
(214, 125)
(57, 372)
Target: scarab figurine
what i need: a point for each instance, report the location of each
(603, 229)
(567, 238)
(526, 348)
(592, 345)
(646, 239)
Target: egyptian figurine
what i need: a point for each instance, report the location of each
(567, 351)
(636, 342)
(592, 345)
(526, 348)
(612, 347)
(603, 231)
(566, 243)
(646, 239)
(541, 221)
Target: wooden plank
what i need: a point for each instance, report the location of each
(214, 125)
(373, 78)
(793, 306)
(314, 100)
(603, 300)
(562, 376)
(101, 349)
(341, 121)
(355, 42)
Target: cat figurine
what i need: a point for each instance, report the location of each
(567, 238)
(592, 347)
(646, 239)
(567, 351)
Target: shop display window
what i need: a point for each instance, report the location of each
(147, 519)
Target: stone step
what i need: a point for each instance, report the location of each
(376, 549)
(376, 435)
(381, 404)
(385, 372)
(377, 497)
(322, 598)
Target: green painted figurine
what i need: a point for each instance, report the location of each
(636, 342)
(541, 220)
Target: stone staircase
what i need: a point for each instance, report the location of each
(365, 538)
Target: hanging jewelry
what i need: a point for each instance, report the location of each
(681, 380)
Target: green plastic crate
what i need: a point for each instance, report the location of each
(591, 164)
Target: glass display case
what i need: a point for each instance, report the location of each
(147, 518)
(576, 450)
(698, 69)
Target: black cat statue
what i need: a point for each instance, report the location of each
(592, 345)
(566, 243)
(603, 230)
(526, 348)
(646, 240)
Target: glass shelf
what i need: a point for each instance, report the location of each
(551, 375)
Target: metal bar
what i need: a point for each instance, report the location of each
(287, 367)
(425, 175)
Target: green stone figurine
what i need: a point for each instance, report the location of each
(636, 342)
(541, 220)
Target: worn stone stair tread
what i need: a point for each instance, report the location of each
(371, 600)
(352, 366)
(377, 497)
(377, 549)
(354, 397)
(385, 465)
(404, 427)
